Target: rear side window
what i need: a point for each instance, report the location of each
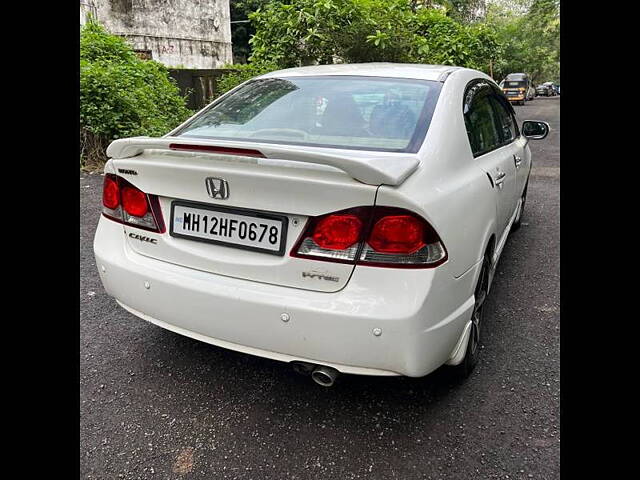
(506, 121)
(481, 122)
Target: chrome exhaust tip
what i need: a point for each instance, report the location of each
(325, 376)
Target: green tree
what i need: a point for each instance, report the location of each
(242, 30)
(531, 42)
(466, 11)
(302, 32)
(497, 37)
(305, 32)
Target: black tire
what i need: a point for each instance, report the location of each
(518, 221)
(472, 354)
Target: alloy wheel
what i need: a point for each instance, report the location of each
(478, 309)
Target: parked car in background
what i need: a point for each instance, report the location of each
(342, 218)
(547, 89)
(517, 88)
(542, 90)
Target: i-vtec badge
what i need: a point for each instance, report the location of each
(217, 188)
(320, 276)
(142, 238)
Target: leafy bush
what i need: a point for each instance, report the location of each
(300, 32)
(292, 33)
(444, 41)
(121, 95)
(305, 32)
(384, 33)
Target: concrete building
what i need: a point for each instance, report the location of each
(178, 33)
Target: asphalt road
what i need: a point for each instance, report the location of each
(155, 405)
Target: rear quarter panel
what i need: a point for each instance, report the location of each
(448, 189)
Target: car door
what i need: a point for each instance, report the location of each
(516, 143)
(511, 136)
(491, 153)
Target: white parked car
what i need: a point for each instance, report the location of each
(345, 218)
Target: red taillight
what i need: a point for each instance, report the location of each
(134, 201)
(111, 193)
(337, 232)
(127, 204)
(397, 234)
(375, 236)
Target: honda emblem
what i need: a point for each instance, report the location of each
(217, 188)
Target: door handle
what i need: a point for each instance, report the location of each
(499, 179)
(517, 160)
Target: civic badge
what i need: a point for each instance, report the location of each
(217, 188)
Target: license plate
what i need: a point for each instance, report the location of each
(245, 229)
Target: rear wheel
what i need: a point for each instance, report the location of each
(473, 345)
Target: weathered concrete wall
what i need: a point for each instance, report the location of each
(178, 33)
(87, 7)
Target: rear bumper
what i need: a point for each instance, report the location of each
(421, 313)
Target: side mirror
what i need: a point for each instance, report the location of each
(535, 129)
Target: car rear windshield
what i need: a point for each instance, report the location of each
(364, 113)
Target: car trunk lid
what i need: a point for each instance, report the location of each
(288, 190)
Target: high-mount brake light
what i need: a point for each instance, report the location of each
(127, 204)
(374, 236)
(245, 152)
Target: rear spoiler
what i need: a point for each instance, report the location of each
(373, 168)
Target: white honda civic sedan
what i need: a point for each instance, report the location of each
(344, 218)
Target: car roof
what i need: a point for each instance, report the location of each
(393, 70)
